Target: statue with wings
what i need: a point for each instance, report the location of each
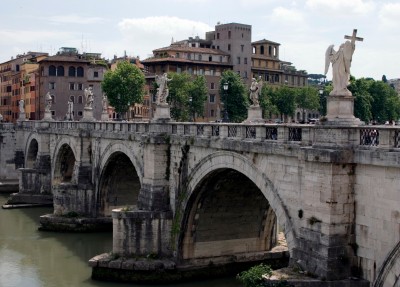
(341, 62)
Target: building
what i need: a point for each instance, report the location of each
(66, 75)
(18, 81)
(195, 57)
(229, 46)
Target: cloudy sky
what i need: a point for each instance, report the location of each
(303, 28)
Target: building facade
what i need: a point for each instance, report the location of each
(65, 76)
(195, 57)
(18, 82)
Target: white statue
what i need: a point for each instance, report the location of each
(105, 103)
(255, 91)
(341, 62)
(162, 91)
(89, 97)
(49, 102)
(21, 106)
(70, 113)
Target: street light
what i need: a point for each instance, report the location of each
(226, 116)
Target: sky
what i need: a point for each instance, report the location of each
(304, 29)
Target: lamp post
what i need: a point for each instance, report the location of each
(226, 116)
(191, 118)
(321, 102)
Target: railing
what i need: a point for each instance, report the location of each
(305, 135)
(369, 137)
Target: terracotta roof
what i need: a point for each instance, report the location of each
(264, 41)
(64, 58)
(178, 48)
(181, 60)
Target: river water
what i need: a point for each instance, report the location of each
(32, 258)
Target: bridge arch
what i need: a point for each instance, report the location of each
(120, 179)
(389, 271)
(229, 164)
(65, 159)
(31, 150)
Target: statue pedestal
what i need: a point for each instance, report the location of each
(21, 116)
(254, 115)
(104, 116)
(47, 116)
(87, 115)
(340, 111)
(162, 113)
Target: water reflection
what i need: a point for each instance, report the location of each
(31, 258)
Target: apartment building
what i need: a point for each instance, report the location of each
(18, 81)
(196, 57)
(66, 75)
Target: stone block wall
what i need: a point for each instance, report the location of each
(377, 217)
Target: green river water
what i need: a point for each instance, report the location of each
(32, 258)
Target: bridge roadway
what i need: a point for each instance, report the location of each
(207, 192)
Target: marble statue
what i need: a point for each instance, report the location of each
(49, 102)
(21, 106)
(162, 91)
(341, 62)
(70, 113)
(105, 103)
(255, 91)
(89, 98)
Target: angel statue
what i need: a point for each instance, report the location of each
(89, 97)
(162, 91)
(341, 62)
(255, 91)
(49, 102)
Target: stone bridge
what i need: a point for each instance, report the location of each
(200, 193)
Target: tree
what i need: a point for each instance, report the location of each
(235, 99)
(266, 104)
(284, 98)
(362, 98)
(124, 86)
(386, 103)
(307, 98)
(198, 95)
(178, 98)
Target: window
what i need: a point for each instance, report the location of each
(178, 70)
(238, 60)
(53, 99)
(17, 68)
(212, 113)
(200, 57)
(95, 74)
(80, 86)
(52, 86)
(79, 72)
(212, 98)
(71, 71)
(212, 86)
(201, 72)
(72, 98)
(242, 47)
(210, 58)
(217, 35)
(245, 61)
(80, 113)
(80, 100)
(72, 86)
(177, 55)
(60, 71)
(212, 72)
(229, 34)
(229, 47)
(262, 50)
(52, 70)
(245, 74)
(269, 50)
(220, 59)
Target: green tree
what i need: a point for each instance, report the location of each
(235, 99)
(362, 98)
(385, 105)
(124, 86)
(284, 98)
(179, 88)
(266, 104)
(198, 96)
(307, 98)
